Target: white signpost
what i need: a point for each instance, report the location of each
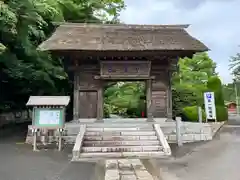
(210, 107)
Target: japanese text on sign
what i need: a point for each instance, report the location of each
(49, 117)
(210, 105)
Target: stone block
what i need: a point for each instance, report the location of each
(137, 164)
(148, 137)
(188, 137)
(121, 129)
(95, 129)
(139, 133)
(112, 174)
(128, 177)
(143, 175)
(121, 138)
(152, 148)
(93, 133)
(124, 164)
(93, 138)
(126, 172)
(172, 137)
(91, 149)
(111, 164)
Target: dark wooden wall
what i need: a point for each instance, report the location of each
(160, 90)
(85, 90)
(88, 90)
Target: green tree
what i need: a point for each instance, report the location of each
(23, 26)
(235, 66)
(229, 92)
(190, 81)
(125, 98)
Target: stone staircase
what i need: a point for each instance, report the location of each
(106, 141)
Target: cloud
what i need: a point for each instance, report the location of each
(214, 22)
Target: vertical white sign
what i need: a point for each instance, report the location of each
(210, 107)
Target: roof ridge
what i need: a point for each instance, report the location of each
(125, 26)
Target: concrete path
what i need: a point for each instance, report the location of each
(216, 160)
(18, 162)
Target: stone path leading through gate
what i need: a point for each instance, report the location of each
(126, 169)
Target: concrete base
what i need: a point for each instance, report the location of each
(191, 132)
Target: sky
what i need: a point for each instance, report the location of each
(214, 22)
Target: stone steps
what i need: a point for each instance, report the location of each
(122, 149)
(99, 129)
(101, 141)
(112, 155)
(118, 138)
(120, 143)
(121, 133)
(117, 125)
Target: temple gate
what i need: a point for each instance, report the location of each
(99, 53)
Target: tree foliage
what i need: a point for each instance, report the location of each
(190, 82)
(214, 84)
(125, 99)
(235, 66)
(25, 71)
(24, 25)
(229, 92)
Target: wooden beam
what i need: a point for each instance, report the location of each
(147, 54)
(149, 99)
(163, 67)
(125, 77)
(169, 96)
(76, 97)
(100, 101)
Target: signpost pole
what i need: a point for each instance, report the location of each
(60, 140)
(34, 139)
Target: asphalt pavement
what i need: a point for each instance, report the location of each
(19, 162)
(218, 159)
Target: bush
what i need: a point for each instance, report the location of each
(190, 113)
(214, 84)
(182, 98)
(221, 113)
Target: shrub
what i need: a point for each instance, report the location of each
(190, 113)
(182, 98)
(214, 85)
(221, 113)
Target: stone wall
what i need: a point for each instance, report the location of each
(15, 117)
(191, 132)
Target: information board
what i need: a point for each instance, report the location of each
(210, 107)
(48, 118)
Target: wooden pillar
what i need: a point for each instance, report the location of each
(100, 101)
(149, 99)
(169, 96)
(76, 96)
